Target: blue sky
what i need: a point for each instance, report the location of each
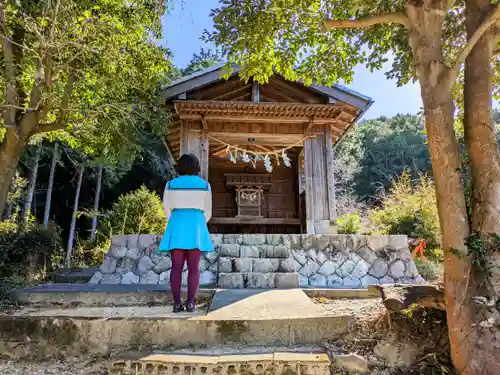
(184, 26)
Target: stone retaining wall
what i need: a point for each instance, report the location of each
(268, 261)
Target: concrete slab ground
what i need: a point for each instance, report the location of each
(262, 304)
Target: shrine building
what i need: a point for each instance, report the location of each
(267, 150)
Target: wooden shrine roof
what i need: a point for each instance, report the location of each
(275, 113)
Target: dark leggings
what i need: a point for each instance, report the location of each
(192, 257)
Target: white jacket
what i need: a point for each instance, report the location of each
(188, 198)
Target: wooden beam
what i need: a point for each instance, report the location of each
(253, 220)
(330, 176)
(228, 95)
(272, 119)
(255, 92)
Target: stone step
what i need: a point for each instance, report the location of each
(48, 295)
(303, 360)
(258, 265)
(257, 280)
(241, 317)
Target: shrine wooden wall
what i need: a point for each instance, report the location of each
(281, 200)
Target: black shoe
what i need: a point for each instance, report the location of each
(190, 307)
(178, 308)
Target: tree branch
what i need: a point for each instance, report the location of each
(52, 126)
(492, 18)
(61, 123)
(368, 21)
(10, 73)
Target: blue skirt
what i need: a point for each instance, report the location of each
(187, 230)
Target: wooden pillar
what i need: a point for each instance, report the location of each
(320, 185)
(196, 142)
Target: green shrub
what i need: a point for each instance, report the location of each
(410, 210)
(138, 212)
(428, 269)
(28, 251)
(349, 224)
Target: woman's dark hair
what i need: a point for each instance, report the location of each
(188, 164)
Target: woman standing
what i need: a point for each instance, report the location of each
(187, 201)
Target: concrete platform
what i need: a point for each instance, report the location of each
(263, 304)
(139, 295)
(269, 318)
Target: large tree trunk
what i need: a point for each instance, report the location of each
(31, 186)
(96, 203)
(50, 188)
(480, 137)
(425, 35)
(10, 151)
(71, 238)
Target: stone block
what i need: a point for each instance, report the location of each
(328, 268)
(352, 282)
(346, 268)
(367, 254)
(204, 265)
(165, 278)
(225, 265)
(145, 264)
(147, 241)
(303, 280)
(274, 239)
(338, 243)
(279, 251)
(311, 254)
(321, 257)
(292, 241)
(334, 280)
(217, 239)
(361, 269)
(411, 270)
(377, 242)
(387, 280)
(149, 277)
(254, 239)
(132, 240)
(369, 280)
(231, 281)
(289, 265)
(117, 251)
(260, 280)
(287, 280)
(300, 256)
(378, 269)
(211, 256)
(162, 263)
(317, 280)
(119, 240)
(247, 251)
(397, 269)
(355, 241)
(243, 265)
(130, 278)
(351, 363)
(108, 266)
(310, 268)
(207, 278)
(232, 239)
(96, 278)
(134, 253)
(114, 278)
(398, 242)
(265, 265)
(125, 265)
(229, 250)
